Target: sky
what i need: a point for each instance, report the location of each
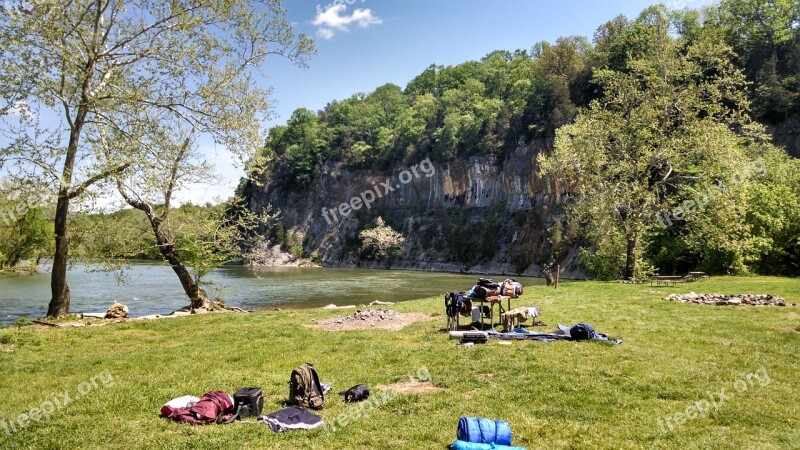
(363, 44)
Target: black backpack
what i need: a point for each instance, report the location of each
(305, 389)
(582, 332)
(356, 393)
(249, 402)
(488, 284)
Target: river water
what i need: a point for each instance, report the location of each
(154, 289)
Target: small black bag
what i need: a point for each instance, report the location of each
(248, 402)
(355, 394)
(582, 332)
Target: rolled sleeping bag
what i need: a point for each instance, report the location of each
(463, 445)
(483, 431)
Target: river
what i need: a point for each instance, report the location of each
(151, 288)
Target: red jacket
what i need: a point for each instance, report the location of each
(212, 406)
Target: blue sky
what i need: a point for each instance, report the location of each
(363, 44)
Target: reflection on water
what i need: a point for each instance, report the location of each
(154, 288)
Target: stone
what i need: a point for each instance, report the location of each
(117, 311)
(725, 300)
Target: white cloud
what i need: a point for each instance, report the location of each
(325, 33)
(335, 18)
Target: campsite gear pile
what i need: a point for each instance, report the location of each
(479, 433)
(579, 332)
(459, 304)
(485, 289)
(305, 391)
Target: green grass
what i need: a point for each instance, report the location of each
(555, 395)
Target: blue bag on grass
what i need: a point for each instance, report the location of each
(483, 431)
(462, 445)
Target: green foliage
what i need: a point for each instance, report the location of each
(766, 38)
(520, 257)
(26, 231)
(477, 108)
(381, 243)
(663, 127)
(472, 241)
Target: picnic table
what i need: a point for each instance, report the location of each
(453, 322)
(492, 301)
(665, 280)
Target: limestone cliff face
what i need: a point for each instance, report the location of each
(465, 215)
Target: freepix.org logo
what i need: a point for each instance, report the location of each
(55, 402)
(378, 191)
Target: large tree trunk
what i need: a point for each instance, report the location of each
(197, 296)
(59, 302)
(198, 299)
(630, 256)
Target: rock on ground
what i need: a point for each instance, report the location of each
(117, 311)
(732, 300)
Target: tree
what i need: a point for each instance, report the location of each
(206, 237)
(25, 230)
(109, 66)
(381, 243)
(663, 125)
(762, 33)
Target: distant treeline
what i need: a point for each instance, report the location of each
(487, 107)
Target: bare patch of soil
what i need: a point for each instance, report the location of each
(370, 320)
(790, 329)
(411, 386)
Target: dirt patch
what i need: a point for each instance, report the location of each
(790, 329)
(371, 319)
(412, 386)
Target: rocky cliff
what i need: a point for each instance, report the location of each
(476, 216)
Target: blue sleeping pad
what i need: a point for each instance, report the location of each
(483, 431)
(462, 445)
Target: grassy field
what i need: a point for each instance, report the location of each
(555, 395)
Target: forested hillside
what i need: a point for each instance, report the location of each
(518, 99)
(486, 107)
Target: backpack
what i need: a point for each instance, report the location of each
(356, 393)
(582, 332)
(488, 284)
(248, 402)
(452, 303)
(305, 389)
